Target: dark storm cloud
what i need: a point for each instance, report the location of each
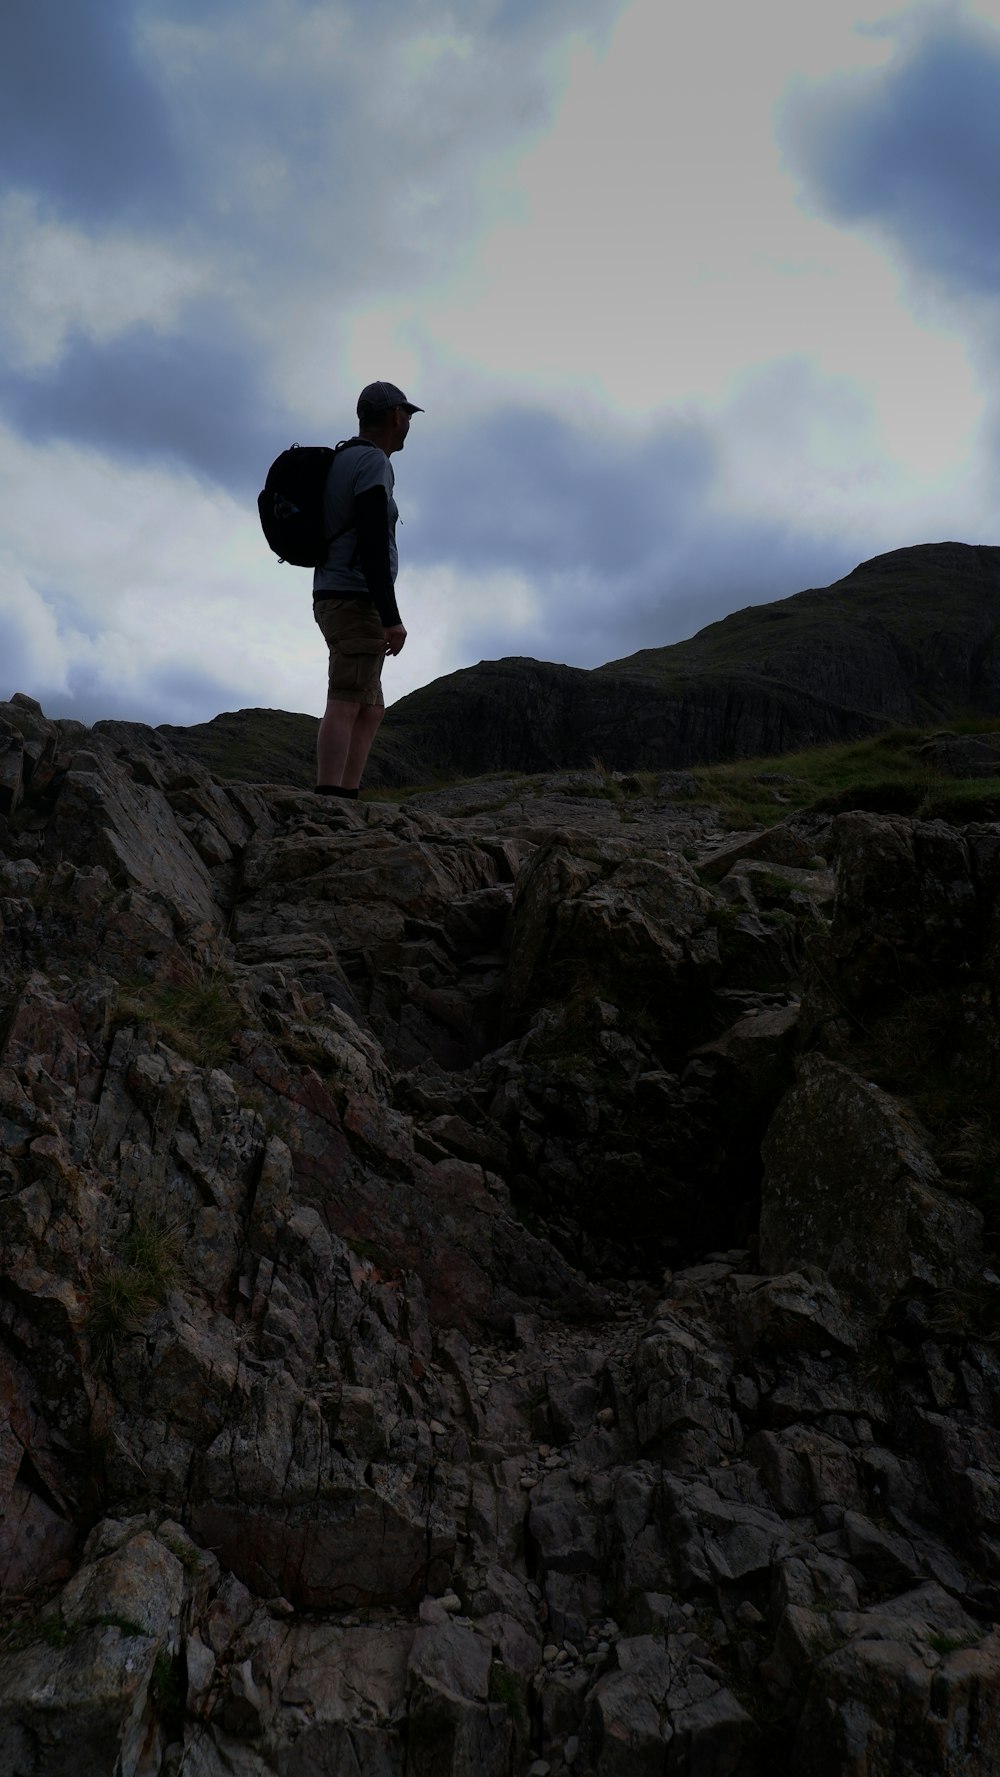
(323, 150)
(719, 567)
(90, 694)
(621, 541)
(702, 575)
(914, 149)
(185, 691)
(81, 120)
(90, 698)
(522, 489)
(193, 397)
(270, 120)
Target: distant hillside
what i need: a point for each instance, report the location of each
(272, 747)
(252, 746)
(909, 637)
(906, 635)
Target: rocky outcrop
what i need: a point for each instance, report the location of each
(500, 1282)
(852, 1188)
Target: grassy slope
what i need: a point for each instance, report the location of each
(886, 773)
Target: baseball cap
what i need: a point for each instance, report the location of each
(382, 396)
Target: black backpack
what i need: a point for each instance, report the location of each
(291, 503)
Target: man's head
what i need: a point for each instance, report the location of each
(384, 415)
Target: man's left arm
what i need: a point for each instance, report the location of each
(371, 525)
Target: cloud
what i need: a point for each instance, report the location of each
(522, 489)
(912, 149)
(583, 545)
(82, 119)
(31, 647)
(355, 140)
(60, 280)
(90, 695)
(144, 593)
(703, 574)
(326, 154)
(195, 396)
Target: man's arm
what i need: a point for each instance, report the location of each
(371, 527)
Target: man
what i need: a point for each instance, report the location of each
(354, 597)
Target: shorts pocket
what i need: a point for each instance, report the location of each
(355, 665)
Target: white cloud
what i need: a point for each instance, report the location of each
(144, 574)
(156, 593)
(59, 279)
(662, 252)
(31, 646)
(444, 610)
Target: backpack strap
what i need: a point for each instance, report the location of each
(347, 444)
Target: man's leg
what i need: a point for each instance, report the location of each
(333, 742)
(366, 724)
(355, 636)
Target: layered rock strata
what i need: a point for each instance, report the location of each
(494, 1283)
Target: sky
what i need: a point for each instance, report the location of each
(700, 303)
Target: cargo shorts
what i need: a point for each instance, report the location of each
(355, 636)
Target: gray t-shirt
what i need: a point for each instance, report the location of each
(353, 472)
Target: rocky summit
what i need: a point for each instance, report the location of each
(494, 1284)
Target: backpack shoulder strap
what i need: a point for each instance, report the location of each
(347, 444)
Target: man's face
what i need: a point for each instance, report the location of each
(401, 421)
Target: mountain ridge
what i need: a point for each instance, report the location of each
(908, 636)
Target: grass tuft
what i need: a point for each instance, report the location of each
(975, 1155)
(130, 1286)
(969, 1313)
(52, 1630)
(885, 773)
(198, 1014)
(167, 1690)
(952, 1644)
(508, 1688)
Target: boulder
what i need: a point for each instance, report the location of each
(849, 1185)
(591, 916)
(923, 1702)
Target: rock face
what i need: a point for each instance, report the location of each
(852, 1188)
(500, 1282)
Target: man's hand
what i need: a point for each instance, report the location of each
(395, 636)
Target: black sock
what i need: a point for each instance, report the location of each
(334, 790)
